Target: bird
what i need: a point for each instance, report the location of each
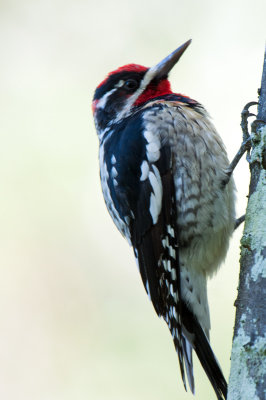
(167, 184)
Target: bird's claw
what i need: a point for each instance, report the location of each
(246, 144)
(256, 123)
(245, 114)
(248, 105)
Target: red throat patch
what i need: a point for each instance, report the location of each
(153, 90)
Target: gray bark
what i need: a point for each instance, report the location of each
(248, 359)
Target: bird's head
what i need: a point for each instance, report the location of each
(130, 86)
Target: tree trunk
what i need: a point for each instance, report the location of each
(248, 359)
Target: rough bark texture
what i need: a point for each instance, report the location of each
(248, 359)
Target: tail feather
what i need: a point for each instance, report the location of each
(211, 366)
(195, 335)
(187, 353)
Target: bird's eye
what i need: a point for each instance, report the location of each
(131, 84)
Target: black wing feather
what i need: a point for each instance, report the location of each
(154, 246)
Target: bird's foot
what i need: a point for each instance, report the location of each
(246, 144)
(244, 125)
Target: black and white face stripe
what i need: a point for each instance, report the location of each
(115, 80)
(103, 100)
(112, 97)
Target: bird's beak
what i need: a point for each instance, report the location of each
(157, 72)
(164, 67)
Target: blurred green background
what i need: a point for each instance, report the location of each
(75, 322)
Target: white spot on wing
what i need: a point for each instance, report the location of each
(153, 209)
(144, 170)
(172, 289)
(153, 155)
(114, 172)
(166, 241)
(173, 274)
(176, 297)
(172, 252)
(153, 146)
(156, 187)
(156, 196)
(157, 173)
(170, 230)
(113, 159)
(149, 136)
(127, 219)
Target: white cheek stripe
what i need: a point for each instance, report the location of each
(101, 103)
(150, 74)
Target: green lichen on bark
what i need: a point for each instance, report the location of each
(248, 372)
(254, 237)
(248, 359)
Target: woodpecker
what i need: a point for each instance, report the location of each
(165, 182)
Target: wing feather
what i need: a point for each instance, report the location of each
(156, 250)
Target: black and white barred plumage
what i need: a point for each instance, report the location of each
(162, 165)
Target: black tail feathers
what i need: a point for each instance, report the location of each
(211, 365)
(204, 352)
